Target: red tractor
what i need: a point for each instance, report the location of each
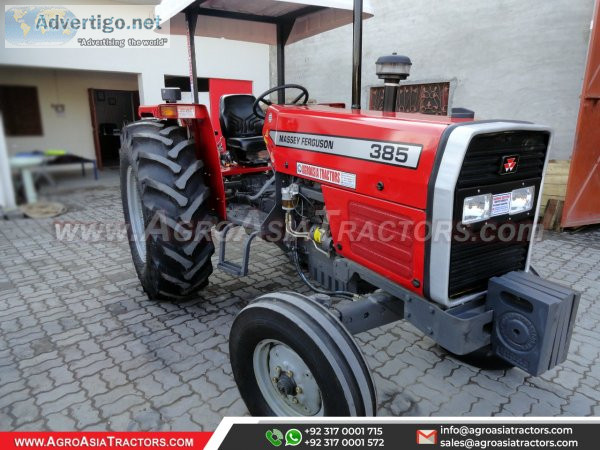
(385, 216)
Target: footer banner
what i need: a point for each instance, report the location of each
(247, 433)
(104, 440)
(405, 434)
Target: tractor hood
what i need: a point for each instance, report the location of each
(256, 20)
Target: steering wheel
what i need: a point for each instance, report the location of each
(302, 99)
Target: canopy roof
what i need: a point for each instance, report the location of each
(256, 20)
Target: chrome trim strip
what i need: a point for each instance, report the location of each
(443, 202)
(539, 204)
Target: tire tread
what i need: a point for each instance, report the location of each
(172, 188)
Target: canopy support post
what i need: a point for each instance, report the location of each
(357, 53)
(280, 64)
(284, 28)
(191, 18)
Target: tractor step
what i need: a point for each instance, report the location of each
(239, 270)
(246, 216)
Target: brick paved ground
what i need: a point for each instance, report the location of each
(81, 347)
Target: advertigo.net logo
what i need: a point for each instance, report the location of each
(84, 26)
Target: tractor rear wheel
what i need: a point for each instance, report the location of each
(291, 357)
(166, 208)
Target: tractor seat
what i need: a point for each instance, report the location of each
(252, 144)
(241, 128)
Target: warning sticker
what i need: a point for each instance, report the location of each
(329, 175)
(186, 112)
(500, 204)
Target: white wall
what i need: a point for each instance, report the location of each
(216, 58)
(511, 59)
(72, 130)
(130, 69)
(7, 193)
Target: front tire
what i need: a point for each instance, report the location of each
(291, 357)
(166, 208)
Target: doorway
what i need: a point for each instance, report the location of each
(111, 110)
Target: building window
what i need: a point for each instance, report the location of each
(426, 98)
(183, 83)
(20, 108)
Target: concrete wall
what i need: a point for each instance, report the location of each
(518, 59)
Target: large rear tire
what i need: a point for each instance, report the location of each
(166, 208)
(291, 357)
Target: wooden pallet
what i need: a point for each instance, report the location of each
(555, 183)
(552, 214)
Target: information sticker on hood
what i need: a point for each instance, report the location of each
(328, 175)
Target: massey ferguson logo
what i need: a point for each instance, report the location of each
(509, 164)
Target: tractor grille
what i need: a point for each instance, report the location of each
(472, 265)
(482, 162)
(473, 262)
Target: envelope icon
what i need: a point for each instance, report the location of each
(427, 436)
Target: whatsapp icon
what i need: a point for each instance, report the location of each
(293, 437)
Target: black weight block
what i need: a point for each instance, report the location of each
(533, 320)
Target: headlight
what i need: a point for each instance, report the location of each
(477, 208)
(521, 200)
(481, 207)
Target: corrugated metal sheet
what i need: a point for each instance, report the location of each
(328, 14)
(582, 203)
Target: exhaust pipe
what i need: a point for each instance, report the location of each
(356, 53)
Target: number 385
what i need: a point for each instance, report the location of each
(389, 153)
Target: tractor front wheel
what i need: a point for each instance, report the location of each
(291, 357)
(166, 208)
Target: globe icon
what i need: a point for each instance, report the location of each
(34, 25)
